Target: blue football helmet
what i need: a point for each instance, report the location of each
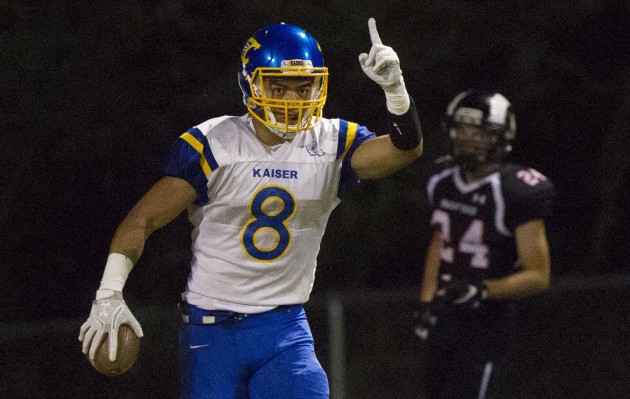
(493, 114)
(275, 53)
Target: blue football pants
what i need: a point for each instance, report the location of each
(264, 356)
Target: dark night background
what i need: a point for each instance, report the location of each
(93, 93)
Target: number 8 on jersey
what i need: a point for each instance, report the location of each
(266, 236)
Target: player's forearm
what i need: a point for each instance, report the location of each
(130, 238)
(125, 250)
(158, 207)
(518, 285)
(429, 284)
(431, 271)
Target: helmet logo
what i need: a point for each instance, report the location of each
(251, 43)
(499, 106)
(469, 116)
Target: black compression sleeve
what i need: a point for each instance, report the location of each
(407, 132)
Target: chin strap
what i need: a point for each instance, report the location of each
(276, 130)
(407, 133)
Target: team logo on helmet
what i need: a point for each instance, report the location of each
(250, 44)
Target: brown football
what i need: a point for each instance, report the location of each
(126, 354)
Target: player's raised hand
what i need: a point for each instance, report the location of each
(383, 67)
(381, 64)
(106, 317)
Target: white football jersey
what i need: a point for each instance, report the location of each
(261, 211)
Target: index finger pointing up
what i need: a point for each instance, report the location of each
(376, 39)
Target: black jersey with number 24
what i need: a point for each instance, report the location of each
(477, 220)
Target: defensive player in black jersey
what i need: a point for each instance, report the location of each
(489, 247)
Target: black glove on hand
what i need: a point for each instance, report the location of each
(461, 293)
(424, 320)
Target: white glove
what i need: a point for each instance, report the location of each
(383, 67)
(106, 316)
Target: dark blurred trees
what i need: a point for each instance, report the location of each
(93, 94)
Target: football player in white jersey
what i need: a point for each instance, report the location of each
(489, 247)
(259, 189)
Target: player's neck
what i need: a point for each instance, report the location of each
(481, 172)
(265, 135)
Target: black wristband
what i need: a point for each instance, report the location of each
(407, 133)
